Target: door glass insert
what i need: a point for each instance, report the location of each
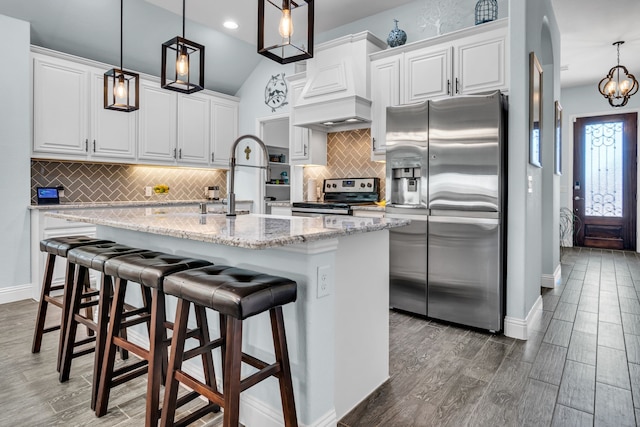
(603, 169)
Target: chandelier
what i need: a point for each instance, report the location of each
(619, 85)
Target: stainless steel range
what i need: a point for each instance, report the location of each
(340, 194)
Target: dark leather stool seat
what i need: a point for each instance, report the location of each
(236, 294)
(149, 270)
(54, 247)
(84, 258)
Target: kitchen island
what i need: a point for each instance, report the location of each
(337, 330)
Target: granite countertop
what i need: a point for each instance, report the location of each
(132, 203)
(279, 203)
(253, 231)
(375, 208)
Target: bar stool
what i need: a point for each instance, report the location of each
(236, 294)
(148, 269)
(85, 258)
(57, 246)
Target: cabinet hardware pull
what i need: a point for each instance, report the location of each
(373, 144)
(448, 87)
(180, 153)
(213, 157)
(175, 156)
(94, 145)
(86, 145)
(457, 89)
(305, 151)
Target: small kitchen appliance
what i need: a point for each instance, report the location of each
(340, 194)
(213, 192)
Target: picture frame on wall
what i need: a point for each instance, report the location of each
(557, 139)
(535, 111)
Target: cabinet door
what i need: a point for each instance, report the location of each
(157, 115)
(480, 62)
(385, 91)
(193, 128)
(427, 74)
(60, 106)
(113, 133)
(224, 122)
(299, 143)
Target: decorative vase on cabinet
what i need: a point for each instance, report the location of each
(397, 37)
(486, 11)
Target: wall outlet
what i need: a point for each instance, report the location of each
(325, 281)
(148, 191)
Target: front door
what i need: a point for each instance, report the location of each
(604, 181)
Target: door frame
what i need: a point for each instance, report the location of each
(569, 151)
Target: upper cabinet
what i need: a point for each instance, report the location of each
(465, 62)
(69, 121)
(170, 128)
(306, 146)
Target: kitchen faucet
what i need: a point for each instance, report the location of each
(232, 169)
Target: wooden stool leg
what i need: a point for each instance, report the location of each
(223, 336)
(175, 363)
(42, 307)
(233, 361)
(89, 309)
(207, 357)
(284, 376)
(106, 374)
(157, 357)
(66, 301)
(106, 287)
(72, 325)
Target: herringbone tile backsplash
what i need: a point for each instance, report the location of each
(348, 156)
(96, 182)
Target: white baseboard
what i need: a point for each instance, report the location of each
(15, 293)
(552, 280)
(519, 328)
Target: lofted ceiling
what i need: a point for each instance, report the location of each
(90, 29)
(588, 29)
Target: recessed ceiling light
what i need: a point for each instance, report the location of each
(232, 25)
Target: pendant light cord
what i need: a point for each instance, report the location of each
(121, 20)
(183, 16)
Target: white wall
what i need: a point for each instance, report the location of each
(15, 181)
(524, 227)
(252, 107)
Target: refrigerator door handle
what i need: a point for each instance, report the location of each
(463, 220)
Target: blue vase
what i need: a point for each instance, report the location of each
(397, 37)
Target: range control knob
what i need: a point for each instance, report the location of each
(362, 184)
(369, 185)
(333, 185)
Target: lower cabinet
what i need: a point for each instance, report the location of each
(281, 210)
(44, 227)
(368, 213)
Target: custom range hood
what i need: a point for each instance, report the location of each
(335, 96)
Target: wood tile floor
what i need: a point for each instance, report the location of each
(581, 366)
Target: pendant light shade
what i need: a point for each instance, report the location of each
(285, 30)
(619, 85)
(120, 86)
(182, 63)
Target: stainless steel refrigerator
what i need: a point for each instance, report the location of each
(453, 189)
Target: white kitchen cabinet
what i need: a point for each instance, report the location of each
(224, 130)
(157, 134)
(193, 128)
(306, 146)
(464, 62)
(368, 213)
(113, 133)
(385, 91)
(69, 119)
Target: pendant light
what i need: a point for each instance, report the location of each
(619, 85)
(120, 86)
(285, 33)
(183, 61)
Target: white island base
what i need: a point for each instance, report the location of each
(337, 330)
